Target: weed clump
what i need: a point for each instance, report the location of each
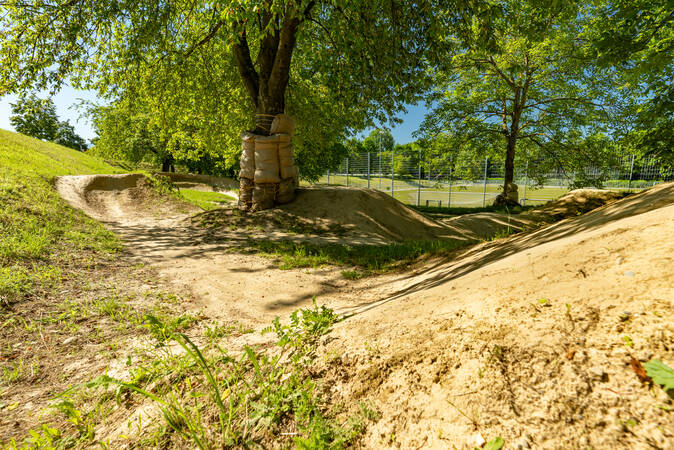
(211, 397)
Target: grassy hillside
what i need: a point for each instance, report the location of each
(37, 228)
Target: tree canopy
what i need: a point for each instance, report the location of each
(638, 40)
(218, 68)
(555, 80)
(535, 91)
(34, 117)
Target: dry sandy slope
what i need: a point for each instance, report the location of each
(476, 332)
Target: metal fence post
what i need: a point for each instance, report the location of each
(379, 154)
(393, 165)
(419, 181)
(347, 172)
(629, 183)
(526, 179)
(368, 170)
(449, 184)
(328, 177)
(484, 192)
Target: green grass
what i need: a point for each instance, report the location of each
(36, 225)
(460, 210)
(367, 259)
(205, 200)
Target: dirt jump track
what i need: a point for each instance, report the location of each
(523, 337)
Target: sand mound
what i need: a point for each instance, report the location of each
(486, 225)
(580, 201)
(334, 214)
(126, 198)
(365, 211)
(530, 339)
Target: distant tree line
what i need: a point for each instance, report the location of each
(37, 117)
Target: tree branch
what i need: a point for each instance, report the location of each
(280, 73)
(244, 63)
(211, 34)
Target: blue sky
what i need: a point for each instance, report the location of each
(68, 97)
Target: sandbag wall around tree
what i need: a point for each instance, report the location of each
(268, 172)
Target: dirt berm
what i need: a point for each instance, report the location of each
(534, 338)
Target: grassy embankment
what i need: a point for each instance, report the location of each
(70, 308)
(39, 234)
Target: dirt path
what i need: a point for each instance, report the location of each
(227, 284)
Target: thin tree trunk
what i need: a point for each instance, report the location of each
(509, 163)
(166, 164)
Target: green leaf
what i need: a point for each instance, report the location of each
(660, 373)
(494, 444)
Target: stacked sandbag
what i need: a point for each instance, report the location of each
(264, 195)
(513, 195)
(266, 159)
(246, 186)
(247, 172)
(286, 193)
(282, 124)
(266, 172)
(247, 156)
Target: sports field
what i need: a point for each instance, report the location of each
(461, 193)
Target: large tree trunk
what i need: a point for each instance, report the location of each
(509, 195)
(266, 82)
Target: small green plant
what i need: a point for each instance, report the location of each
(251, 395)
(162, 184)
(495, 444)
(46, 437)
(13, 373)
(163, 328)
(74, 416)
(352, 274)
(628, 341)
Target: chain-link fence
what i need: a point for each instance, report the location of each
(476, 183)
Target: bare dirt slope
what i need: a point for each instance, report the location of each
(528, 338)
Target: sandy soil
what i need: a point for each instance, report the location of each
(529, 338)
(523, 337)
